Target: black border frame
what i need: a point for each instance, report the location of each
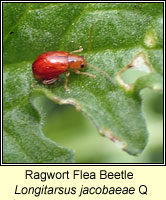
(82, 164)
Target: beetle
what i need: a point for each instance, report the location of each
(48, 66)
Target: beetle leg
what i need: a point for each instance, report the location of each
(66, 80)
(77, 51)
(84, 73)
(48, 82)
(33, 84)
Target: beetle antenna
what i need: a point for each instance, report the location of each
(90, 40)
(101, 71)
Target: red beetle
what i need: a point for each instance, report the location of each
(48, 66)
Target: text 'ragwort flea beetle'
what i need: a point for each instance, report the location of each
(48, 66)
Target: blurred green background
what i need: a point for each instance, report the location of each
(71, 129)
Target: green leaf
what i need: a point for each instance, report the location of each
(125, 36)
